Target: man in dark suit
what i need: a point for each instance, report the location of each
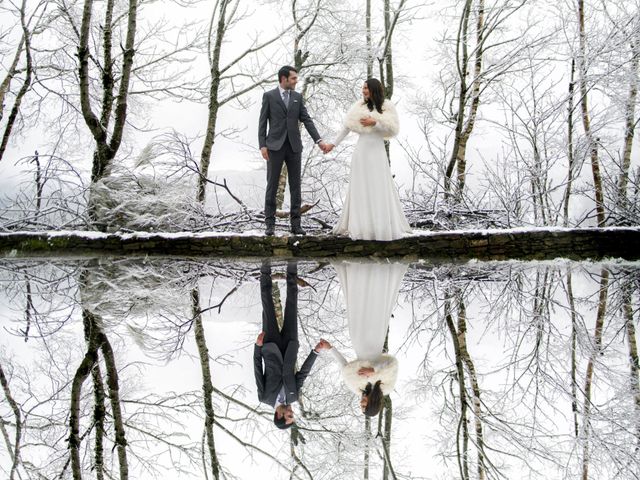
(278, 383)
(283, 109)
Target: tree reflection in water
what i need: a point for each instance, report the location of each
(142, 369)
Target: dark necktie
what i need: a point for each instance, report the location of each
(285, 94)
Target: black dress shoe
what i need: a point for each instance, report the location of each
(297, 230)
(270, 230)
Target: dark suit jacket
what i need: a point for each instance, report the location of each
(279, 371)
(283, 122)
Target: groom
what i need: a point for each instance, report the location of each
(277, 382)
(283, 109)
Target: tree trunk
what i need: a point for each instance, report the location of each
(108, 82)
(29, 309)
(106, 149)
(207, 384)
(25, 85)
(387, 77)
(367, 21)
(282, 187)
(99, 415)
(387, 412)
(462, 456)
(461, 154)
(214, 103)
(475, 388)
(367, 444)
(11, 72)
(462, 64)
(629, 128)
(83, 371)
(586, 121)
(299, 60)
(634, 364)
(596, 350)
(570, 149)
(99, 409)
(574, 366)
(116, 409)
(15, 454)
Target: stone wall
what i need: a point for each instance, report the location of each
(591, 243)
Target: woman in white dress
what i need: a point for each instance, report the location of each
(370, 291)
(372, 209)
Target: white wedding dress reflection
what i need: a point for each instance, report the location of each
(372, 209)
(370, 291)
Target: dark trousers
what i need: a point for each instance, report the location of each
(269, 322)
(274, 166)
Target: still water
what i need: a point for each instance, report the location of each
(184, 369)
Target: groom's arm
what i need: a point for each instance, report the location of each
(262, 123)
(308, 123)
(308, 363)
(257, 370)
(306, 368)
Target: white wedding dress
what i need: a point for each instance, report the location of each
(370, 291)
(371, 209)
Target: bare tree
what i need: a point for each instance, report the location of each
(625, 20)
(533, 122)
(634, 363)
(391, 17)
(596, 351)
(107, 145)
(592, 141)
(29, 24)
(470, 65)
(570, 145)
(464, 362)
(224, 15)
(207, 385)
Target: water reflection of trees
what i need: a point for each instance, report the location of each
(549, 398)
(517, 369)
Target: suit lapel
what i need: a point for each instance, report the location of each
(276, 93)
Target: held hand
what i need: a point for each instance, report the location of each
(323, 146)
(322, 345)
(260, 339)
(367, 121)
(265, 153)
(329, 147)
(366, 371)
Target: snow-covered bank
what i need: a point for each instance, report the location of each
(521, 243)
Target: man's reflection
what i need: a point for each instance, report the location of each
(278, 383)
(370, 291)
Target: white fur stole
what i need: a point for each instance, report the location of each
(386, 370)
(386, 122)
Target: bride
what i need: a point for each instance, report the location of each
(370, 292)
(372, 209)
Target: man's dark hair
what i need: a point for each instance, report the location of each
(285, 71)
(375, 399)
(281, 422)
(376, 94)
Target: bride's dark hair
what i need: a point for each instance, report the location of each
(376, 94)
(375, 398)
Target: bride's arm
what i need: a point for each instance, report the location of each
(337, 356)
(341, 136)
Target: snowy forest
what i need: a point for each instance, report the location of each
(141, 115)
(138, 281)
(506, 370)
